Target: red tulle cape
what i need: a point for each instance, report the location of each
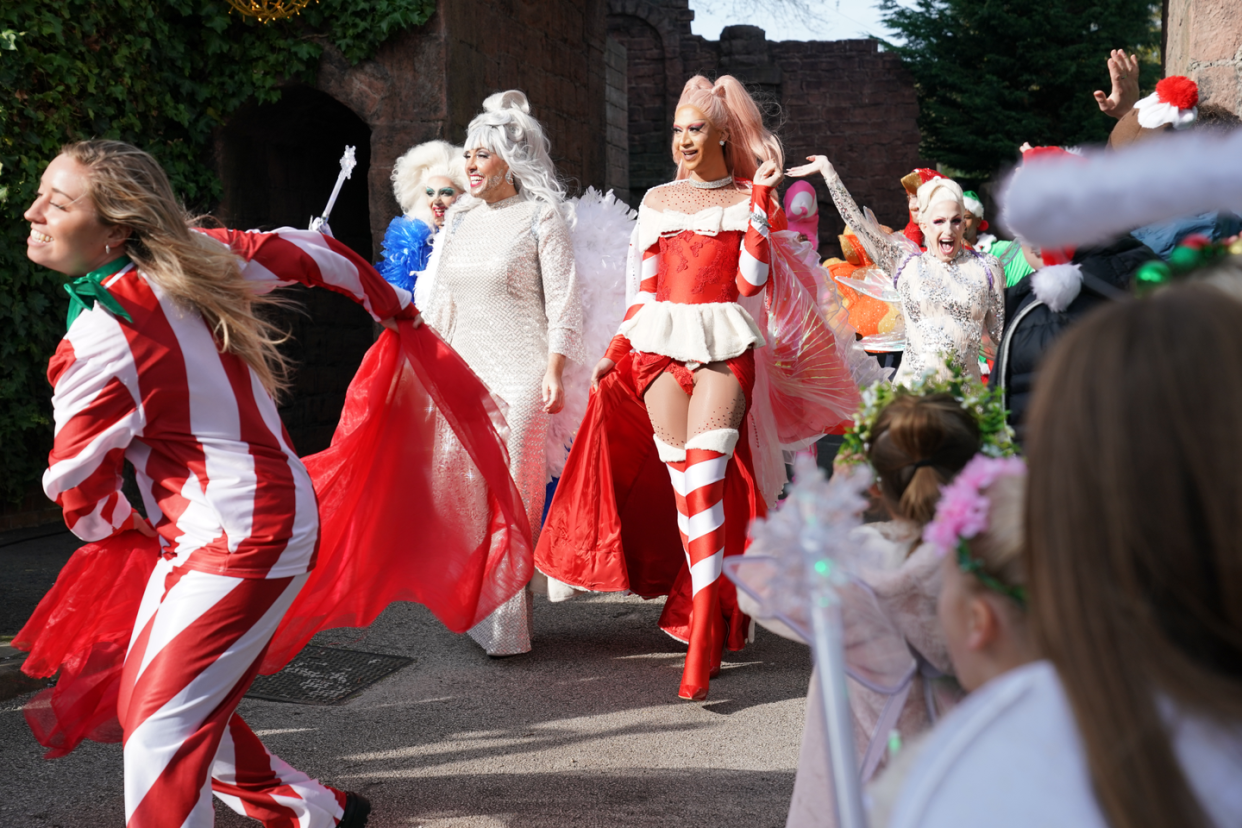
(612, 524)
(390, 530)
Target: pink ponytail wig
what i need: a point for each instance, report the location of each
(729, 107)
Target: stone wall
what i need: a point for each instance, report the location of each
(845, 99)
(278, 162)
(429, 83)
(648, 99)
(617, 119)
(1203, 40)
(553, 50)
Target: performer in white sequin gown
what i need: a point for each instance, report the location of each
(950, 294)
(504, 295)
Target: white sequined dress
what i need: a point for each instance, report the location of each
(505, 295)
(947, 305)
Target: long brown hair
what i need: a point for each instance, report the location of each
(128, 188)
(919, 444)
(1134, 537)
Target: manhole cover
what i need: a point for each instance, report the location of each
(326, 675)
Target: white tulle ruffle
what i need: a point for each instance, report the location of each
(705, 333)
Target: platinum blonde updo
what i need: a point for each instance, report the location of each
(506, 127)
(937, 190)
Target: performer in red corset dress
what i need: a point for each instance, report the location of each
(686, 353)
(166, 364)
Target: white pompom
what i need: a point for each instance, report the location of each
(511, 99)
(802, 205)
(1057, 285)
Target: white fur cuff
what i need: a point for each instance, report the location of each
(705, 333)
(722, 440)
(669, 454)
(1057, 285)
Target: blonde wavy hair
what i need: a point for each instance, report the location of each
(129, 188)
(731, 109)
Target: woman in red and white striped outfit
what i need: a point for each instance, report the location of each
(704, 242)
(166, 364)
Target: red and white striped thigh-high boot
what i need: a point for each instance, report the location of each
(707, 459)
(675, 459)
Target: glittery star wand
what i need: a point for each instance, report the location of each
(796, 578)
(348, 162)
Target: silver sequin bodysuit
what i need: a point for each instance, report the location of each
(946, 305)
(505, 296)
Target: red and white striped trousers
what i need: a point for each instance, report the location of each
(198, 640)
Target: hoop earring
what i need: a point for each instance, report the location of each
(509, 176)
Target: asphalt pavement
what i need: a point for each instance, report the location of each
(584, 731)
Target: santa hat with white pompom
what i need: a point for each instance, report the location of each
(1174, 103)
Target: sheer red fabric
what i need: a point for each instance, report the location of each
(808, 361)
(392, 528)
(612, 524)
(82, 628)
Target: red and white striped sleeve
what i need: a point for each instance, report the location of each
(756, 253)
(287, 255)
(98, 411)
(649, 278)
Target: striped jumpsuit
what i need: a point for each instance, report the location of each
(684, 316)
(236, 517)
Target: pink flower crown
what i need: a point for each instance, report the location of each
(962, 512)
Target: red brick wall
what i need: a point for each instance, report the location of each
(648, 103)
(423, 84)
(553, 50)
(844, 99)
(849, 101)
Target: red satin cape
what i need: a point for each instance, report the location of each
(612, 524)
(388, 532)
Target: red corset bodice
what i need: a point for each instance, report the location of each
(696, 270)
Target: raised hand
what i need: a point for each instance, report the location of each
(768, 175)
(1124, 71)
(819, 164)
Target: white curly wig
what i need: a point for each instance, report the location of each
(505, 127)
(410, 174)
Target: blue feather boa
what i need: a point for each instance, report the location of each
(407, 247)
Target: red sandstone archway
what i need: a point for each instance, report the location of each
(278, 163)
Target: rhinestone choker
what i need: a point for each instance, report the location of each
(712, 185)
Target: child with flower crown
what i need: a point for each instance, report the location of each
(977, 533)
(899, 664)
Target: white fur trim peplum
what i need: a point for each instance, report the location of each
(705, 333)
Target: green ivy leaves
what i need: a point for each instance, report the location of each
(161, 74)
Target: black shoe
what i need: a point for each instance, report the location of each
(357, 809)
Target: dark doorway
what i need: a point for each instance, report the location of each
(278, 163)
(651, 160)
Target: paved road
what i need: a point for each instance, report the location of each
(585, 731)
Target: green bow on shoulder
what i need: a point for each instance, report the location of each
(86, 290)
